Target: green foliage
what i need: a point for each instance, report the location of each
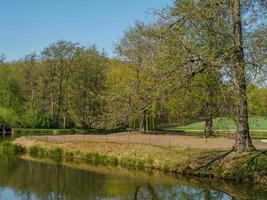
(61, 88)
(37, 151)
(42, 120)
(97, 159)
(30, 132)
(8, 117)
(69, 156)
(10, 148)
(257, 100)
(179, 68)
(56, 154)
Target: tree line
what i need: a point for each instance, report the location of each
(59, 88)
(197, 61)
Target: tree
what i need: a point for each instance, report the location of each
(139, 48)
(29, 81)
(228, 53)
(58, 58)
(7, 117)
(193, 27)
(88, 86)
(243, 140)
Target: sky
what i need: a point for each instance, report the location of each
(30, 25)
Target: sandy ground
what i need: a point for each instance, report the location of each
(151, 139)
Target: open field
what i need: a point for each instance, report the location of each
(258, 126)
(183, 141)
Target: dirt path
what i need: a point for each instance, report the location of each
(162, 140)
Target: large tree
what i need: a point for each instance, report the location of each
(88, 86)
(243, 140)
(59, 59)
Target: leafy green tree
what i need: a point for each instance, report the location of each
(8, 117)
(58, 59)
(88, 86)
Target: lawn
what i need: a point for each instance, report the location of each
(258, 126)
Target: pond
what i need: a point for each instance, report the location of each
(24, 179)
(7, 137)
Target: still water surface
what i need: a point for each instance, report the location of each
(31, 180)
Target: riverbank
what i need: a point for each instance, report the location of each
(42, 177)
(223, 164)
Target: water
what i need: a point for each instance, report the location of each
(31, 180)
(7, 137)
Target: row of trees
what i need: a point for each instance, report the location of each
(61, 88)
(193, 63)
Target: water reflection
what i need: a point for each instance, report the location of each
(5, 137)
(28, 180)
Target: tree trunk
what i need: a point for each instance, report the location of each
(243, 139)
(143, 122)
(33, 99)
(60, 99)
(64, 122)
(209, 126)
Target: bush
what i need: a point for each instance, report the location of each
(92, 158)
(8, 147)
(129, 162)
(97, 159)
(8, 116)
(37, 151)
(56, 154)
(69, 156)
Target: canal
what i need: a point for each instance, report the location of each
(31, 180)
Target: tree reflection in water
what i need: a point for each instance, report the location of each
(21, 179)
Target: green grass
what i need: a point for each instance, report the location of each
(36, 131)
(258, 126)
(28, 131)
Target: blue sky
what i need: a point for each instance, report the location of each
(30, 25)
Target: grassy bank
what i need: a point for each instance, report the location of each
(247, 167)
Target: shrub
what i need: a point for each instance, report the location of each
(149, 162)
(37, 151)
(56, 154)
(93, 158)
(8, 116)
(18, 149)
(113, 161)
(69, 156)
(129, 162)
(97, 159)
(8, 147)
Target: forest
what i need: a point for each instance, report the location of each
(197, 61)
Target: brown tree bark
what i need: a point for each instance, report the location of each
(243, 139)
(143, 123)
(209, 126)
